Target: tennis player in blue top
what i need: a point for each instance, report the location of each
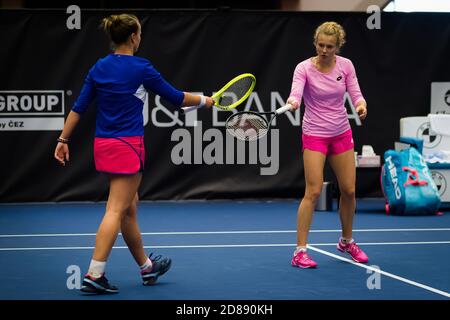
(119, 83)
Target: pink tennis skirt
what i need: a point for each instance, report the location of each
(121, 155)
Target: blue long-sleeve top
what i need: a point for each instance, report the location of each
(120, 83)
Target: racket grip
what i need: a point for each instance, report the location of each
(281, 110)
(191, 108)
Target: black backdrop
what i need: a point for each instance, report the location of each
(199, 51)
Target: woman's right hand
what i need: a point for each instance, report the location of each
(62, 153)
(294, 103)
(209, 102)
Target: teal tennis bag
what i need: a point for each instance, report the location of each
(407, 184)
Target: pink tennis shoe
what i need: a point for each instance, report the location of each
(353, 250)
(303, 260)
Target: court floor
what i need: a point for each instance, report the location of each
(236, 250)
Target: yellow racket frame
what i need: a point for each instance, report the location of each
(219, 93)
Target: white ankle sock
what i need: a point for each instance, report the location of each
(96, 268)
(146, 265)
(299, 248)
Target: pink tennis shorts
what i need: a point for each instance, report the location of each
(329, 146)
(121, 155)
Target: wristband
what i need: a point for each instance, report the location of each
(62, 140)
(202, 101)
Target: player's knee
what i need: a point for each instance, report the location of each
(348, 193)
(313, 195)
(132, 211)
(117, 212)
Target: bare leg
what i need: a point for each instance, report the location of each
(313, 165)
(122, 191)
(132, 235)
(343, 166)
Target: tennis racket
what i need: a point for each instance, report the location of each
(250, 125)
(232, 94)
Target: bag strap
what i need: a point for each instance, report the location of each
(413, 178)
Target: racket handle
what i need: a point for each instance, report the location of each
(191, 108)
(281, 110)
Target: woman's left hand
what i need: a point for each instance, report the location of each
(362, 111)
(62, 153)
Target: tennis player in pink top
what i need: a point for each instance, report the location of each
(321, 82)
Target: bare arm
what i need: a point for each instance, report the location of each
(194, 100)
(62, 149)
(71, 122)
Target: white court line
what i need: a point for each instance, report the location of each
(388, 274)
(225, 246)
(222, 232)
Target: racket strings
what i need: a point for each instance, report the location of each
(236, 91)
(247, 126)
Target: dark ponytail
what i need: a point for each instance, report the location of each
(120, 27)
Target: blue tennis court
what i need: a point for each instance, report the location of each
(234, 250)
